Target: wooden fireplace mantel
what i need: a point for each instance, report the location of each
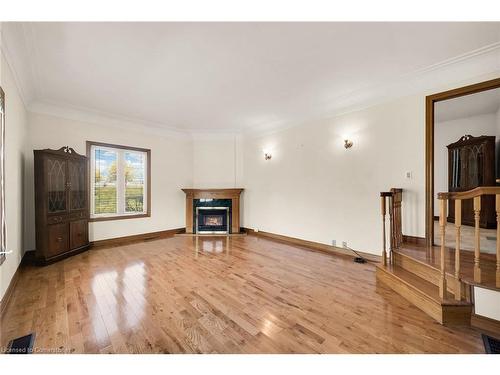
(232, 193)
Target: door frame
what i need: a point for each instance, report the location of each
(429, 144)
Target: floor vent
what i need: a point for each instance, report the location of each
(491, 344)
(21, 345)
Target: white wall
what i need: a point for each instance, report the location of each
(447, 132)
(487, 303)
(217, 161)
(171, 170)
(15, 137)
(315, 189)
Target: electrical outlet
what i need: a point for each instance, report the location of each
(344, 243)
(409, 175)
(334, 242)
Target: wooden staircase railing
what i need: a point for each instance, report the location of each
(458, 197)
(391, 202)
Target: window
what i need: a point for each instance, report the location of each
(3, 230)
(119, 181)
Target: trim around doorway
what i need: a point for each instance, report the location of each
(429, 144)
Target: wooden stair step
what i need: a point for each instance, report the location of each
(423, 270)
(426, 264)
(417, 267)
(429, 288)
(425, 295)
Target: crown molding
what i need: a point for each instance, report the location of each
(214, 134)
(104, 119)
(494, 47)
(455, 72)
(90, 116)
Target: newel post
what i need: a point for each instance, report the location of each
(392, 243)
(384, 245)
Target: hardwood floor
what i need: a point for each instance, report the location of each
(220, 295)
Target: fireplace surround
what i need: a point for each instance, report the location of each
(201, 200)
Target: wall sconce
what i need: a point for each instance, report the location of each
(267, 156)
(347, 143)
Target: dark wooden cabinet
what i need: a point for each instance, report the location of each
(471, 163)
(61, 204)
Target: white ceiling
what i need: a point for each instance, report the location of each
(482, 103)
(225, 76)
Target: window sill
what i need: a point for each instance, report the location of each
(123, 217)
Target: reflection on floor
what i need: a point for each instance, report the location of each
(220, 295)
(488, 237)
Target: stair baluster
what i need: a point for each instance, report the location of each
(477, 242)
(442, 224)
(476, 195)
(458, 223)
(497, 283)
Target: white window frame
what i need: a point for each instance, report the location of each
(3, 224)
(120, 181)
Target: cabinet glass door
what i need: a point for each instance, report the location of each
(56, 185)
(77, 188)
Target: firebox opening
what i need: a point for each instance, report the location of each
(212, 220)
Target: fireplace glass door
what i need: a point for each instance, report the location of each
(212, 220)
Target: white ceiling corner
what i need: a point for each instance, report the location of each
(15, 52)
(32, 55)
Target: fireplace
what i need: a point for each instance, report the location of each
(212, 220)
(225, 214)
